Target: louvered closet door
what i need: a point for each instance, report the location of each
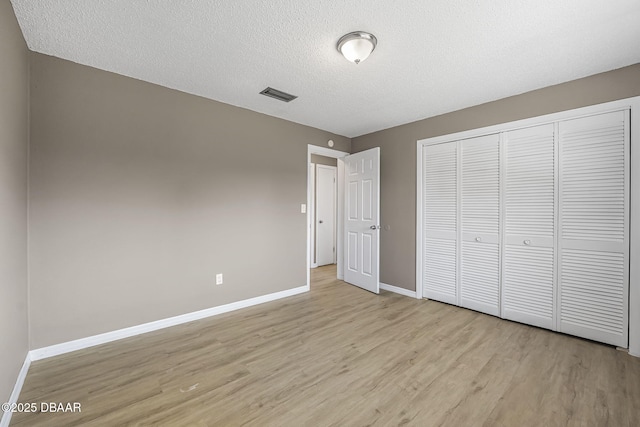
(439, 222)
(529, 226)
(480, 224)
(594, 227)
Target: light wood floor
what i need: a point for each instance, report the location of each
(345, 357)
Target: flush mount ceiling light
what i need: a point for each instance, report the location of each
(357, 46)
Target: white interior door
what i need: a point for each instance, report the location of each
(528, 276)
(362, 213)
(440, 222)
(325, 215)
(480, 224)
(594, 227)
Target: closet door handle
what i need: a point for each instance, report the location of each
(527, 242)
(478, 239)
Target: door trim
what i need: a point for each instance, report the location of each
(311, 207)
(335, 154)
(634, 203)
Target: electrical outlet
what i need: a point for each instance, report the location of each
(219, 279)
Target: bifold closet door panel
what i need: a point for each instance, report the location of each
(480, 224)
(594, 227)
(440, 222)
(528, 277)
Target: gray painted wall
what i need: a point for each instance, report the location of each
(141, 194)
(398, 154)
(14, 109)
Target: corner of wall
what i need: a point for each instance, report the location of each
(14, 138)
(29, 65)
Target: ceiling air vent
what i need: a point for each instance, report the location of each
(278, 94)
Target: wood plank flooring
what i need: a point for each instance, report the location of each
(341, 356)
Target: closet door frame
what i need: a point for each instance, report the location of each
(633, 104)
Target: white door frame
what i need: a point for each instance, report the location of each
(335, 154)
(311, 208)
(634, 207)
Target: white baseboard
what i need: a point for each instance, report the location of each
(17, 388)
(397, 290)
(79, 344)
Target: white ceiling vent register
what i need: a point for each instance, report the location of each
(278, 94)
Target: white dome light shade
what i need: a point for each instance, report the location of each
(357, 46)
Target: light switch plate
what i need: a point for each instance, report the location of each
(303, 208)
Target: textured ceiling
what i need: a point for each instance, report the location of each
(432, 57)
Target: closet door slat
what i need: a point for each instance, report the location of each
(480, 224)
(528, 278)
(594, 227)
(440, 222)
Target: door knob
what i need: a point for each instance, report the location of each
(375, 227)
(320, 221)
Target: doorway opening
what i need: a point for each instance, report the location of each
(325, 200)
(324, 210)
